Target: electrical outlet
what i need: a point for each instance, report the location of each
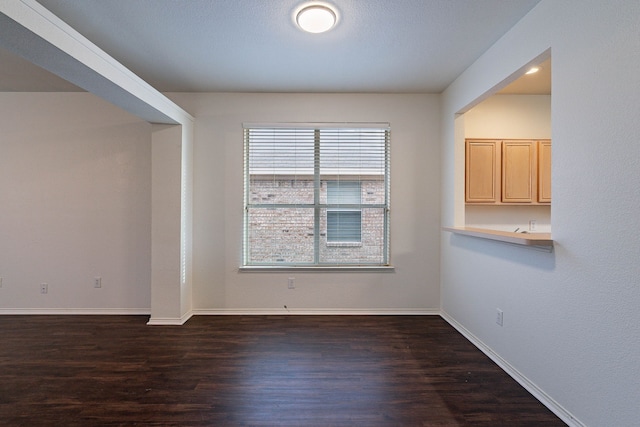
(291, 283)
(532, 225)
(499, 316)
(44, 288)
(97, 282)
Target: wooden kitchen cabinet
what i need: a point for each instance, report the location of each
(508, 171)
(482, 171)
(519, 172)
(544, 171)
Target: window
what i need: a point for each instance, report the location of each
(316, 195)
(344, 225)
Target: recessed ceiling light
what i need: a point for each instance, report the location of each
(533, 70)
(316, 18)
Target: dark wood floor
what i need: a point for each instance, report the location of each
(253, 371)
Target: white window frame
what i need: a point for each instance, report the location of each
(384, 262)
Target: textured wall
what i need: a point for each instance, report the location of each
(571, 318)
(75, 184)
(218, 204)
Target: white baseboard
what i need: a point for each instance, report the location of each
(317, 311)
(76, 311)
(537, 392)
(170, 321)
(214, 312)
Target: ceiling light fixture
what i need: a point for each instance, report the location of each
(533, 70)
(316, 18)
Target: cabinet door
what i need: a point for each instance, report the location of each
(544, 172)
(482, 171)
(519, 172)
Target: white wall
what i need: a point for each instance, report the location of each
(571, 319)
(75, 186)
(218, 191)
(509, 117)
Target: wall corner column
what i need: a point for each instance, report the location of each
(171, 223)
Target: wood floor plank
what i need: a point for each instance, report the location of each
(253, 371)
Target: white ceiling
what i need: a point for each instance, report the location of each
(254, 46)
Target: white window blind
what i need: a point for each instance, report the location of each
(316, 195)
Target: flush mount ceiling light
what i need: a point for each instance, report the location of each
(316, 18)
(533, 70)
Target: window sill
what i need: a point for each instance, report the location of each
(341, 268)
